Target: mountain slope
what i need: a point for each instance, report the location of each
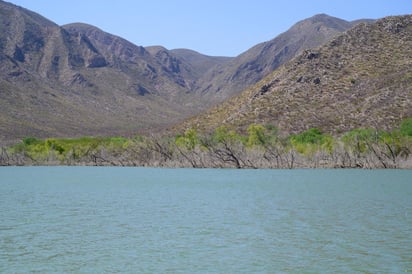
(200, 63)
(362, 78)
(75, 80)
(157, 69)
(79, 80)
(253, 65)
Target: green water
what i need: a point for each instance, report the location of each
(141, 220)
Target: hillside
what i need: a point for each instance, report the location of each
(362, 78)
(201, 63)
(79, 80)
(76, 80)
(253, 65)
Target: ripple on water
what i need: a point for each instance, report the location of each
(185, 220)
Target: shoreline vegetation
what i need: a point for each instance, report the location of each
(258, 147)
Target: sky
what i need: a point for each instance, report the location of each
(211, 27)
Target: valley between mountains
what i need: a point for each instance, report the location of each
(77, 80)
(325, 93)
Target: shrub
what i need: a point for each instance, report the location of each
(189, 140)
(312, 140)
(30, 141)
(310, 136)
(257, 135)
(406, 127)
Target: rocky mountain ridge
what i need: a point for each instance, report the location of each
(75, 80)
(253, 65)
(361, 78)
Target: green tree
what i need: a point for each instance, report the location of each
(311, 141)
(358, 139)
(310, 136)
(257, 135)
(225, 135)
(406, 127)
(189, 140)
(227, 146)
(53, 144)
(29, 141)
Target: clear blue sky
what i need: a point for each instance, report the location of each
(213, 27)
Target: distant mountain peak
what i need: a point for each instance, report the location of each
(256, 63)
(79, 25)
(322, 17)
(76, 79)
(360, 78)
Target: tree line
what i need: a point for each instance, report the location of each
(259, 146)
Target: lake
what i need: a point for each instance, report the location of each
(148, 220)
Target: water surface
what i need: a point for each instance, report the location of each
(143, 220)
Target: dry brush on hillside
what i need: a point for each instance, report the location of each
(259, 147)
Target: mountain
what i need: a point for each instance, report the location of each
(79, 80)
(76, 79)
(224, 81)
(200, 63)
(361, 78)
